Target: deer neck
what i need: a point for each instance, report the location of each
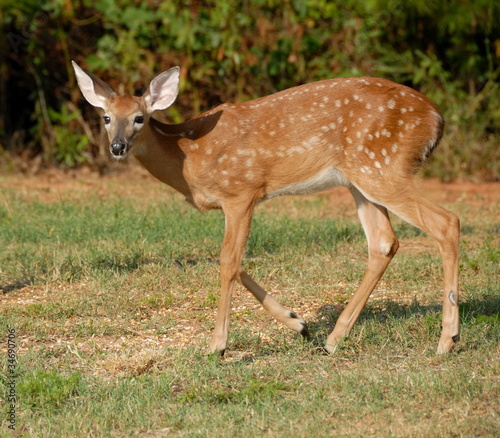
(157, 149)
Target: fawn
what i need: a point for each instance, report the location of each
(367, 134)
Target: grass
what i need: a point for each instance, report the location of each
(112, 288)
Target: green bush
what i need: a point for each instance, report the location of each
(233, 51)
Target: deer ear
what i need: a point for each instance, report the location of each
(163, 90)
(93, 89)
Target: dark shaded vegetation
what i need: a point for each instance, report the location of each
(233, 51)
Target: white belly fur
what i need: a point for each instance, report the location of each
(330, 177)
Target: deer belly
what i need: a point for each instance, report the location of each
(324, 180)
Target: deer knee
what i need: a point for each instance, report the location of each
(388, 244)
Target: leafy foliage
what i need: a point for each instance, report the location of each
(233, 51)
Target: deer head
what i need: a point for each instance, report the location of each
(125, 116)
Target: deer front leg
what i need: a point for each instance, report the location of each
(275, 309)
(236, 233)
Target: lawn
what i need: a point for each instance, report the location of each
(109, 294)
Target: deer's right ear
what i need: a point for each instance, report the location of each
(93, 89)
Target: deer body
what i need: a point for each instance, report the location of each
(367, 134)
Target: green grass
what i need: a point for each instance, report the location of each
(113, 300)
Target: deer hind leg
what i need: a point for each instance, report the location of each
(444, 227)
(382, 245)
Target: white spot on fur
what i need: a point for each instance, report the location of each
(244, 152)
(391, 103)
(452, 299)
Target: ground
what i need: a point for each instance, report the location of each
(475, 200)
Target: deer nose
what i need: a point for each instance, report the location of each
(118, 149)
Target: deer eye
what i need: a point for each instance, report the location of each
(107, 119)
(139, 120)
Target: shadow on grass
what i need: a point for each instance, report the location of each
(484, 310)
(119, 264)
(181, 264)
(11, 287)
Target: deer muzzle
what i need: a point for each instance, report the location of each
(118, 149)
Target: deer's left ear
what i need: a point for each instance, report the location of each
(163, 90)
